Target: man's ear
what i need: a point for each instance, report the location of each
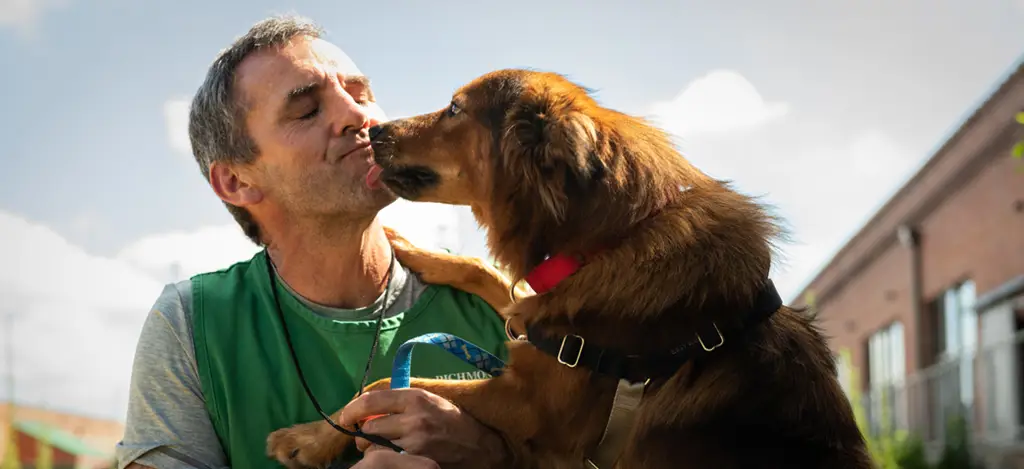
(555, 148)
(233, 186)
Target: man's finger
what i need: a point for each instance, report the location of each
(367, 447)
(410, 445)
(392, 460)
(390, 426)
(373, 403)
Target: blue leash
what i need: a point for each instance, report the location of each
(469, 352)
(401, 368)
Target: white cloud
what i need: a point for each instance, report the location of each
(176, 122)
(719, 101)
(181, 254)
(23, 14)
(42, 264)
(76, 318)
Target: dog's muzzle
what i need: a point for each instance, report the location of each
(375, 131)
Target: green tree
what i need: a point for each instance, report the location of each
(890, 448)
(1018, 149)
(956, 453)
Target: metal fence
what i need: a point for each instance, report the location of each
(982, 386)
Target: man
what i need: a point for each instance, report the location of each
(280, 130)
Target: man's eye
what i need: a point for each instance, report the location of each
(311, 114)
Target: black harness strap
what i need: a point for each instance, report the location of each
(573, 351)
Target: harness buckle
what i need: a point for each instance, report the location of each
(721, 340)
(579, 351)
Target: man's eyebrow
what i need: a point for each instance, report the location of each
(302, 91)
(312, 88)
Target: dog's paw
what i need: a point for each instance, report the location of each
(422, 261)
(300, 447)
(399, 242)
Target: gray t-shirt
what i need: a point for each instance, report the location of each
(167, 423)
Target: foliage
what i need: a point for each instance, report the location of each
(898, 449)
(956, 453)
(1018, 149)
(890, 448)
(911, 455)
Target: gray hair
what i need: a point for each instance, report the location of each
(216, 122)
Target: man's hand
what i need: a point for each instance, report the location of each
(425, 424)
(391, 460)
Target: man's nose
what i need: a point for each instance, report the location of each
(351, 117)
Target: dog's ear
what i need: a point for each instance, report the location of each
(555, 147)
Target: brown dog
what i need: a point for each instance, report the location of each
(666, 285)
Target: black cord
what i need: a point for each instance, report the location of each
(369, 361)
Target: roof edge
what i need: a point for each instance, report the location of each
(953, 133)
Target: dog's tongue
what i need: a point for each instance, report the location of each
(373, 177)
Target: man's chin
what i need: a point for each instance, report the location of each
(382, 197)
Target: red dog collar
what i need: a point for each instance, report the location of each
(551, 272)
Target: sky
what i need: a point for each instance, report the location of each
(822, 109)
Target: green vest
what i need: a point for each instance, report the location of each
(246, 371)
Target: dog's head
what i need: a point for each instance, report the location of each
(534, 155)
(528, 126)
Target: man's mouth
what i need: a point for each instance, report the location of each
(361, 146)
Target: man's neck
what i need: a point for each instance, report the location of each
(341, 268)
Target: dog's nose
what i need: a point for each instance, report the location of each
(375, 131)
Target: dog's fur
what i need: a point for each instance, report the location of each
(670, 251)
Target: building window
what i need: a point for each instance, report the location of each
(959, 321)
(958, 337)
(886, 356)
(886, 371)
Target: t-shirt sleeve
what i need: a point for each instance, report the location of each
(167, 425)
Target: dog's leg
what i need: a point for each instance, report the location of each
(308, 445)
(316, 444)
(469, 274)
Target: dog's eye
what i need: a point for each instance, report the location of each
(453, 109)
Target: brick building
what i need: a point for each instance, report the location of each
(927, 299)
(83, 441)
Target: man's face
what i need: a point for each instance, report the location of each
(308, 111)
